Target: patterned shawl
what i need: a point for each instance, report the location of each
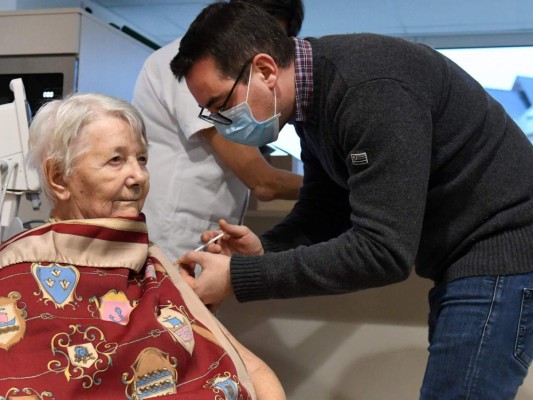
(90, 309)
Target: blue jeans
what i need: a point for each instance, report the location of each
(480, 338)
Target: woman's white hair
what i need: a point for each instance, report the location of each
(58, 126)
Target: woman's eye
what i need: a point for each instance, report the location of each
(115, 159)
(142, 159)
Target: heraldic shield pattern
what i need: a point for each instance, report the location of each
(87, 310)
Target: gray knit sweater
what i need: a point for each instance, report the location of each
(408, 162)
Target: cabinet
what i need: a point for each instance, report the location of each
(93, 55)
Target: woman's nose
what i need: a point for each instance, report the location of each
(137, 173)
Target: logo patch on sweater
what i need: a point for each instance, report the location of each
(359, 158)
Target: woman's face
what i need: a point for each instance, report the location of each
(109, 179)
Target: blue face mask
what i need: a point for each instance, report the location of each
(245, 129)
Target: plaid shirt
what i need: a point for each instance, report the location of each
(303, 75)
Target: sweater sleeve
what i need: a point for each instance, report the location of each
(321, 203)
(389, 125)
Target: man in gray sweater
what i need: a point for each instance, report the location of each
(408, 162)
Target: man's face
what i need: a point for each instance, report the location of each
(210, 89)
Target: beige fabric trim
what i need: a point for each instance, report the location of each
(117, 224)
(205, 316)
(78, 250)
(112, 223)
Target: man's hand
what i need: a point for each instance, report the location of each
(214, 283)
(237, 239)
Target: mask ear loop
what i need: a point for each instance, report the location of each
(249, 81)
(275, 102)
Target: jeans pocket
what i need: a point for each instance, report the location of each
(524, 337)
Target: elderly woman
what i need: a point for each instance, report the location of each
(89, 308)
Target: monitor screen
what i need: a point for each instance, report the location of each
(40, 88)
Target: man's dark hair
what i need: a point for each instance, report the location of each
(291, 12)
(232, 33)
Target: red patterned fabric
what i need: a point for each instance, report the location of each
(88, 311)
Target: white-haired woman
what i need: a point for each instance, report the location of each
(89, 308)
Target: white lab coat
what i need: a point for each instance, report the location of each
(190, 188)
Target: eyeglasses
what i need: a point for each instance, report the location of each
(216, 116)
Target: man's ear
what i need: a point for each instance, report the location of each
(267, 67)
(55, 179)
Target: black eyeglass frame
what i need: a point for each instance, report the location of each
(216, 116)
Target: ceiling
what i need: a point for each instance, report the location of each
(163, 20)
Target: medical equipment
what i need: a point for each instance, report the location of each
(16, 178)
(213, 240)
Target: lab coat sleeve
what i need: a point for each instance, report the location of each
(390, 123)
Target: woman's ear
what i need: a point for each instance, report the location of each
(267, 67)
(55, 178)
